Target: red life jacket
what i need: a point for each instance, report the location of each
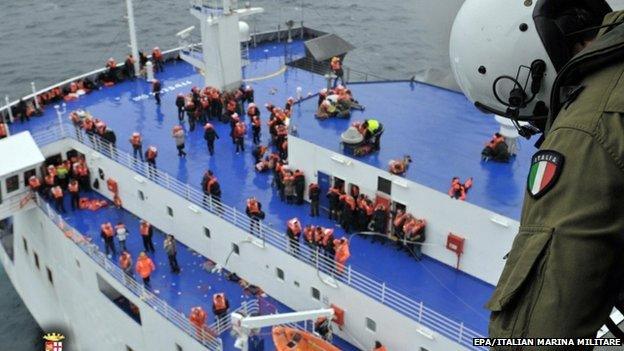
(152, 153)
(295, 226)
(135, 140)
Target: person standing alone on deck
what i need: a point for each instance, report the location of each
(156, 90)
(170, 248)
(180, 102)
(179, 138)
(210, 135)
(147, 231)
(145, 267)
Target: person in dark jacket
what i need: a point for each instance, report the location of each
(170, 248)
(180, 102)
(299, 187)
(156, 87)
(210, 135)
(380, 221)
(314, 193)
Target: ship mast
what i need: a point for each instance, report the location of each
(133, 41)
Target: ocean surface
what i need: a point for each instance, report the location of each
(46, 41)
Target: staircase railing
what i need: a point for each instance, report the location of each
(365, 283)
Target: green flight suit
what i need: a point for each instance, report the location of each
(566, 266)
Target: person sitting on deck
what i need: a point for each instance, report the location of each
(459, 190)
(372, 130)
(399, 167)
(496, 150)
(198, 319)
(220, 306)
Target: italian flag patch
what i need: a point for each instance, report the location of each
(546, 166)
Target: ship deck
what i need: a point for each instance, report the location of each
(452, 148)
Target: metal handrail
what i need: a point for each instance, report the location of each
(205, 336)
(362, 282)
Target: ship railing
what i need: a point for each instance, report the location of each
(15, 202)
(263, 233)
(206, 336)
(247, 308)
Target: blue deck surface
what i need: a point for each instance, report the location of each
(448, 149)
(193, 286)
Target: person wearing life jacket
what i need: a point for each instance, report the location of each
(458, 190)
(254, 212)
(372, 132)
(82, 174)
(496, 149)
(146, 231)
(129, 67)
(252, 110)
(299, 182)
(157, 57)
(342, 254)
(122, 234)
(308, 235)
(234, 119)
(210, 135)
(125, 263)
(256, 127)
(288, 106)
(74, 193)
(397, 225)
(112, 186)
(258, 153)
(34, 184)
(336, 67)
(57, 195)
(314, 195)
(4, 130)
(293, 231)
(198, 320)
(379, 347)
(399, 167)
(150, 157)
(220, 305)
(327, 242)
(145, 266)
(137, 145)
(239, 136)
(107, 232)
(415, 236)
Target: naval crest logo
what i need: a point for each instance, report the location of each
(546, 166)
(54, 341)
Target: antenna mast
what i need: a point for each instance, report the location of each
(133, 41)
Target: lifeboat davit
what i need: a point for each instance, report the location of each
(291, 339)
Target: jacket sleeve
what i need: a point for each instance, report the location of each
(565, 267)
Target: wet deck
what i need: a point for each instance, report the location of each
(454, 294)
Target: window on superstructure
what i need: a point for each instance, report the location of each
(170, 211)
(141, 195)
(37, 260)
(25, 244)
(316, 294)
(178, 347)
(235, 249)
(29, 173)
(50, 279)
(280, 273)
(117, 298)
(12, 183)
(207, 232)
(7, 236)
(371, 325)
(384, 185)
(128, 348)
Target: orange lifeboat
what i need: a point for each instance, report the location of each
(291, 339)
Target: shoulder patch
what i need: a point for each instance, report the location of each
(546, 166)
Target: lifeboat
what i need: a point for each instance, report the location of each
(291, 339)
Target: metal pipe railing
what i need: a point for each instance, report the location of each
(363, 282)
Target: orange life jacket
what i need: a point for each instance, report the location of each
(380, 348)
(219, 303)
(295, 226)
(152, 153)
(342, 251)
(3, 130)
(349, 201)
(82, 170)
(328, 234)
(239, 130)
(398, 219)
(198, 316)
(144, 266)
(144, 228)
(107, 229)
(88, 124)
(73, 187)
(308, 234)
(57, 192)
(111, 184)
(318, 235)
(124, 261)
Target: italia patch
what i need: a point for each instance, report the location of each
(546, 166)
